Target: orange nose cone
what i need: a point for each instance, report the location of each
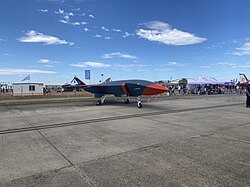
(154, 89)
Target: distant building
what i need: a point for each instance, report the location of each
(176, 82)
(57, 87)
(27, 89)
(5, 87)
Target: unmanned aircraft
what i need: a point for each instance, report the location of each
(124, 88)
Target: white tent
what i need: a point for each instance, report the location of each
(204, 81)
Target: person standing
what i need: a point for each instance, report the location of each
(248, 96)
(179, 89)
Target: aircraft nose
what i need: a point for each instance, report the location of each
(154, 89)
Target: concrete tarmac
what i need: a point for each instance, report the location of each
(173, 141)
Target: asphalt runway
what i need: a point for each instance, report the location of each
(171, 141)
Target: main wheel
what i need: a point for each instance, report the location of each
(139, 105)
(127, 101)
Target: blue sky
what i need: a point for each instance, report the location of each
(54, 40)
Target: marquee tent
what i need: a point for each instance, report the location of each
(204, 81)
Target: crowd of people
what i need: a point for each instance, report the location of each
(248, 96)
(211, 89)
(205, 89)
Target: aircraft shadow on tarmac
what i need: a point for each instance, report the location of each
(147, 104)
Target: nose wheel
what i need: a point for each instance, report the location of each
(139, 104)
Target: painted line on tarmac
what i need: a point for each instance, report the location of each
(56, 125)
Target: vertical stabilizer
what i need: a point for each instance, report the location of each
(107, 80)
(79, 81)
(243, 79)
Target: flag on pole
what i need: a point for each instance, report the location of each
(87, 74)
(26, 78)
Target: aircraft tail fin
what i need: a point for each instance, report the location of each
(79, 81)
(243, 79)
(107, 80)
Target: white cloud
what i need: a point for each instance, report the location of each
(91, 16)
(64, 1)
(236, 41)
(243, 50)
(9, 71)
(43, 61)
(91, 65)
(116, 30)
(233, 65)
(119, 55)
(84, 23)
(129, 67)
(225, 64)
(66, 21)
(76, 9)
(47, 62)
(63, 21)
(57, 1)
(75, 23)
(86, 29)
(214, 46)
(163, 32)
(116, 66)
(104, 28)
(162, 69)
(37, 37)
(246, 65)
(205, 67)
(43, 10)
(60, 11)
(176, 64)
(107, 38)
(66, 18)
(126, 34)
(142, 70)
(97, 36)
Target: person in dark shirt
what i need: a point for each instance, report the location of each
(248, 96)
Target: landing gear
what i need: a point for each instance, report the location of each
(101, 101)
(126, 100)
(139, 104)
